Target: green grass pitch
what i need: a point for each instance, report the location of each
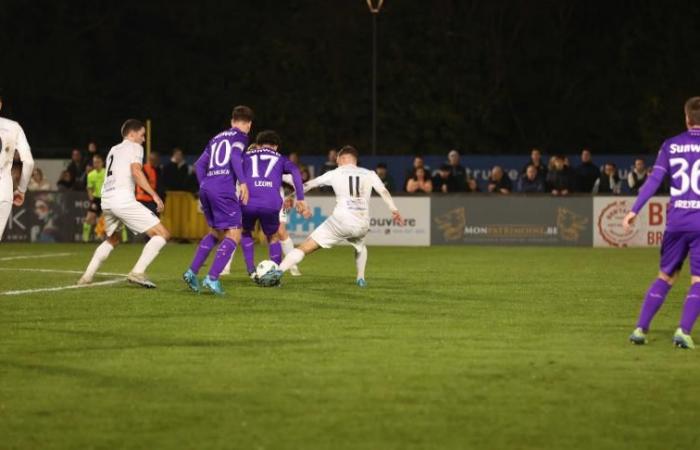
(448, 348)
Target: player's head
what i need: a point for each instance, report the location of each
(134, 130)
(97, 162)
(269, 139)
(692, 112)
(242, 118)
(347, 155)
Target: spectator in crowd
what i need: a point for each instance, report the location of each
(441, 180)
(38, 182)
(472, 185)
(176, 172)
(77, 170)
(637, 176)
(418, 161)
(560, 178)
(530, 182)
(65, 181)
(458, 174)
(294, 158)
(384, 175)
(587, 172)
(331, 163)
(420, 182)
(152, 171)
(609, 181)
(536, 162)
(90, 155)
(499, 182)
(305, 174)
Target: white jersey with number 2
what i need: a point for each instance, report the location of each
(119, 187)
(353, 188)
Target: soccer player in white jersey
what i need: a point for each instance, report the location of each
(12, 138)
(350, 219)
(119, 205)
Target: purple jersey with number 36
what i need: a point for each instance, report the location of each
(678, 158)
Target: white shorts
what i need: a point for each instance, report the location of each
(133, 215)
(5, 211)
(333, 232)
(284, 215)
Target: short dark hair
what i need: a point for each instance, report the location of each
(242, 113)
(97, 155)
(692, 110)
(131, 125)
(348, 150)
(381, 165)
(268, 137)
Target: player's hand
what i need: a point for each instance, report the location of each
(288, 203)
(307, 213)
(18, 198)
(397, 217)
(159, 204)
(301, 206)
(243, 193)
(628, 221)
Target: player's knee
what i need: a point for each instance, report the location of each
(669, 278)
(272, 238)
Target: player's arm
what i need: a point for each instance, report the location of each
(649, 187)
(323, 180)
(25, 155)
(293, 170)
(237, 166)
(142, 182)
(378, 186)
(200, 166)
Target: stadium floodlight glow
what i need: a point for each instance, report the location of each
(374, 9)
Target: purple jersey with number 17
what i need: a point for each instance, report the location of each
(263, 169)
(678, 158)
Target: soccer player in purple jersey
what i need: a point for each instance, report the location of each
(678, 158)
(264, 167)
(218, 170)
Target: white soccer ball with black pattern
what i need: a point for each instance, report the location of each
(264, 267)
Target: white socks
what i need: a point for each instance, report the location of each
(361, 262)
(101, 254)
(149, 253)
(293, 258)
(287, 246)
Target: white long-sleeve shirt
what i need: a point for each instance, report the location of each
(12, 138)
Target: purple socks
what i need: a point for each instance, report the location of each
(248, 245)
(205, 246)
(276, 252)
(652, 302)
(223, 254)
(691, 309)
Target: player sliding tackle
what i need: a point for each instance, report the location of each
(12, 138)
(264, 168)
(218, 170)
(679, 157)
(119, 206)
(350, 219)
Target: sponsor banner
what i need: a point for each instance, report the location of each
(648, 230)
(512, 220)
(48, 217)
(382, 230)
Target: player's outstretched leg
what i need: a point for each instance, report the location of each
(691, 310)
(101, 254)
(248, 247)
(159, 236)
(223, 254)
(652, 303)
(205, 246)
(361, 263)
(294, 257)
(287, 246)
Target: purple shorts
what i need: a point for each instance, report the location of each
(221, 210)
(676, 245)
(269, 219)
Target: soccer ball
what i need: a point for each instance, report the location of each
(265, 267)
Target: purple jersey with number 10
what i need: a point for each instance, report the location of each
(678, 158)
(263, 168)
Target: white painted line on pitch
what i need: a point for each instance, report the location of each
(63, 288)
(43, 255)
(77, 272)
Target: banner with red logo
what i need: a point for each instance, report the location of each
(648, 229)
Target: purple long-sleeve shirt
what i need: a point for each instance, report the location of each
(221, 163)
(263, 168)
(678, 158)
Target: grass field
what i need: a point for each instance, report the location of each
(449, 348)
